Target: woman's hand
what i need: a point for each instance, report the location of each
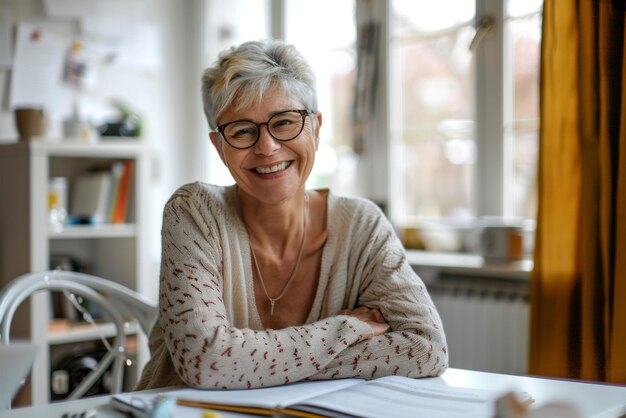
(371, 317)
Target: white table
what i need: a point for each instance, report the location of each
(593, 400)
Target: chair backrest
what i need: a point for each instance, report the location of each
(118, 303)
(16, 360)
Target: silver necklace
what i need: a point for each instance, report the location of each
(295, 268)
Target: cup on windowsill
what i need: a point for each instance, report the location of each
(30, 122)
(501, 239)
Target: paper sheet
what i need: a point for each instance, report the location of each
(134, 44)
(38, 70)
(391, 397)
(396, 397)
(115, 28)
(110, 8)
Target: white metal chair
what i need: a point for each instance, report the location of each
(117, 302)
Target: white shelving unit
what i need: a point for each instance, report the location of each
(115, 251)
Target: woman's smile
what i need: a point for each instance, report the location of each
(272, 169)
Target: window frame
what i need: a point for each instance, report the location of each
(493, 169)
(492, 172)
(493, 108)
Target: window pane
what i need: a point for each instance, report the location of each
(331, 52)
(432, 105)
(516, 8)
(524, 43)
(523, 193)
(426, 15)
(229, 23)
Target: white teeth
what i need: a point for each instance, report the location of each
(273, 169)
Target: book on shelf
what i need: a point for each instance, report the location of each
(102, 196)
(90, 197)
(391, 397)
(117, 169)
(120, 206)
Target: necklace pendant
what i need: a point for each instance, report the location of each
(295, 267)
(272, 301)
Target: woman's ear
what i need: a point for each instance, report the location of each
(316, 128)
(217, 143)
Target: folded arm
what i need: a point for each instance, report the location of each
(393, 296)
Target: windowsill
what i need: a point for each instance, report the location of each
(469, 264)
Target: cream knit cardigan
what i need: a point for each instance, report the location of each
(209, 334)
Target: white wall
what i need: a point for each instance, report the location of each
(168, 99)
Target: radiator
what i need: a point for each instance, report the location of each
(486, 323)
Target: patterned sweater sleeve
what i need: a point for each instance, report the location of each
(206, 350)
(416, 344)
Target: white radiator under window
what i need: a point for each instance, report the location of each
(486, 322)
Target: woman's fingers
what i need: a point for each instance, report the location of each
(378, 317)
(378, 328)
(370, 316)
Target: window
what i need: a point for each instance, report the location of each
(463, 121)
(454, 130)
(432, 104)
(325, 34)
(521, 126)
(229, 23)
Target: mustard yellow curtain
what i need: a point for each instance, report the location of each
(578, 288)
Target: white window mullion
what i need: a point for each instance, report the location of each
(277, 19)
(374, 164)
(490, 145)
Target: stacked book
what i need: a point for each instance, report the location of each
(102, 196)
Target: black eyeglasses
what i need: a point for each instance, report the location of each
(283, 126)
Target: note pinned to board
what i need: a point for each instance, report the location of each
(37, 77)
(134, 44)
(117, 29)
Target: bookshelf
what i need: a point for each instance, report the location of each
(114, 251)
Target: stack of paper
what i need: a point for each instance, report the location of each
(390, 397)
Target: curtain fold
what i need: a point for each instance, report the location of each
(617, 344)
(578, 288)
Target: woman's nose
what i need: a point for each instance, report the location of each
(266, 144)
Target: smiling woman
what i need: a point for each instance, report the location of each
(264, 282)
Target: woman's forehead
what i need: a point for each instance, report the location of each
(275, 100)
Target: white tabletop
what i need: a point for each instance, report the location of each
(592, 400)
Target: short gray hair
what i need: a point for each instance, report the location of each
(243, 74)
